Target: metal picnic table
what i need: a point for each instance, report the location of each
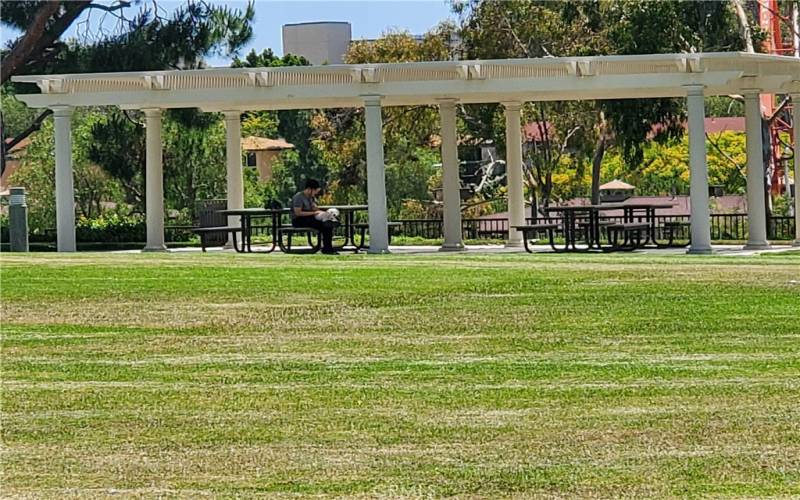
(629, 215)
(247, 215)
(347, 213)
(590, 214)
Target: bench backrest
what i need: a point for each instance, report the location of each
(207, 216)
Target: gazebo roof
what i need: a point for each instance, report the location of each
(419, 83)
(253, 143)
(616, 184)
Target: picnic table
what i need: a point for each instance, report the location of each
(347, 213)
(247, 215)
(569, 217)
(637, 217)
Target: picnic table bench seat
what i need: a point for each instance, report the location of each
(631, 231)
(362, 228)
(204, 232)
(673, 226)
(528, 229)
(601, 223)
(628, 226)
(289, 231)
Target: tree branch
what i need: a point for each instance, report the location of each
(27, 43)
(38, 37)
(739, 168)
(110, 8)
(37, 123)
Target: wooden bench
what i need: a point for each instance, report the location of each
(203, 232)
(632, 231)
(290, 231)
(528, 229)
(362, 228)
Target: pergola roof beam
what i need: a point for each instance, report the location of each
(422, 83)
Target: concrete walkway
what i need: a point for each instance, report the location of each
(723, 250)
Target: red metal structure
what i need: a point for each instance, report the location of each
(774, 22)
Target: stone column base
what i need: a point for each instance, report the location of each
(161, 248)
(757, 246)
(452, 247)
(699, 251)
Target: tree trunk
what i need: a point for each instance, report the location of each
(597, 161)
(37, 38)
(744, 24)
(767, 162)
(26, 45)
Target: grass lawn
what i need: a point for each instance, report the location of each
(472, 375)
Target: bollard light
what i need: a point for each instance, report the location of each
(17, 220)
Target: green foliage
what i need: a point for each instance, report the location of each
(293, 167)
(267, 59)
(573, 28)
(283, 184)
(401, 46)
(149, 41)
(720, 105)
(118, 147)
(657, 27)
(194, 163)
(111, 228)
(665, 167)
(258, 193)
(408, 179)
(93, 186)
(16, 115)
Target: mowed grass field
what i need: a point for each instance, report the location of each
(188, 375)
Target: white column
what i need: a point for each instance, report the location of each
(756, 210)
(65, 192)
(376, 177)
(451, 180)
(233, 149)
(516, 202)
(154, 179)
(796, 127)
(699, 217)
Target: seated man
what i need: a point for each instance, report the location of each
(304, 210)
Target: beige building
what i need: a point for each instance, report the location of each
(323, 42)
(261, 153)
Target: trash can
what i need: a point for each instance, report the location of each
(207, 216)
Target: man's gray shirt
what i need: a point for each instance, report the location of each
(303, 202)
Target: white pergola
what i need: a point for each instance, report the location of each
(511, 82)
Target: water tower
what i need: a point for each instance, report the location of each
(320, 42)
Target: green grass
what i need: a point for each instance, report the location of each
(470, 375)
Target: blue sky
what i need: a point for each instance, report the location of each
(368, 18)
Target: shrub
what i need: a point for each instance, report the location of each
(111, 228)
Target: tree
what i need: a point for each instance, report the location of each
(339, 133)
(142, 40)
(118, 146)
(93, 186)
(293, 125)
(543, 29)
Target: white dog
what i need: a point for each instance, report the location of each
(330, 215)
